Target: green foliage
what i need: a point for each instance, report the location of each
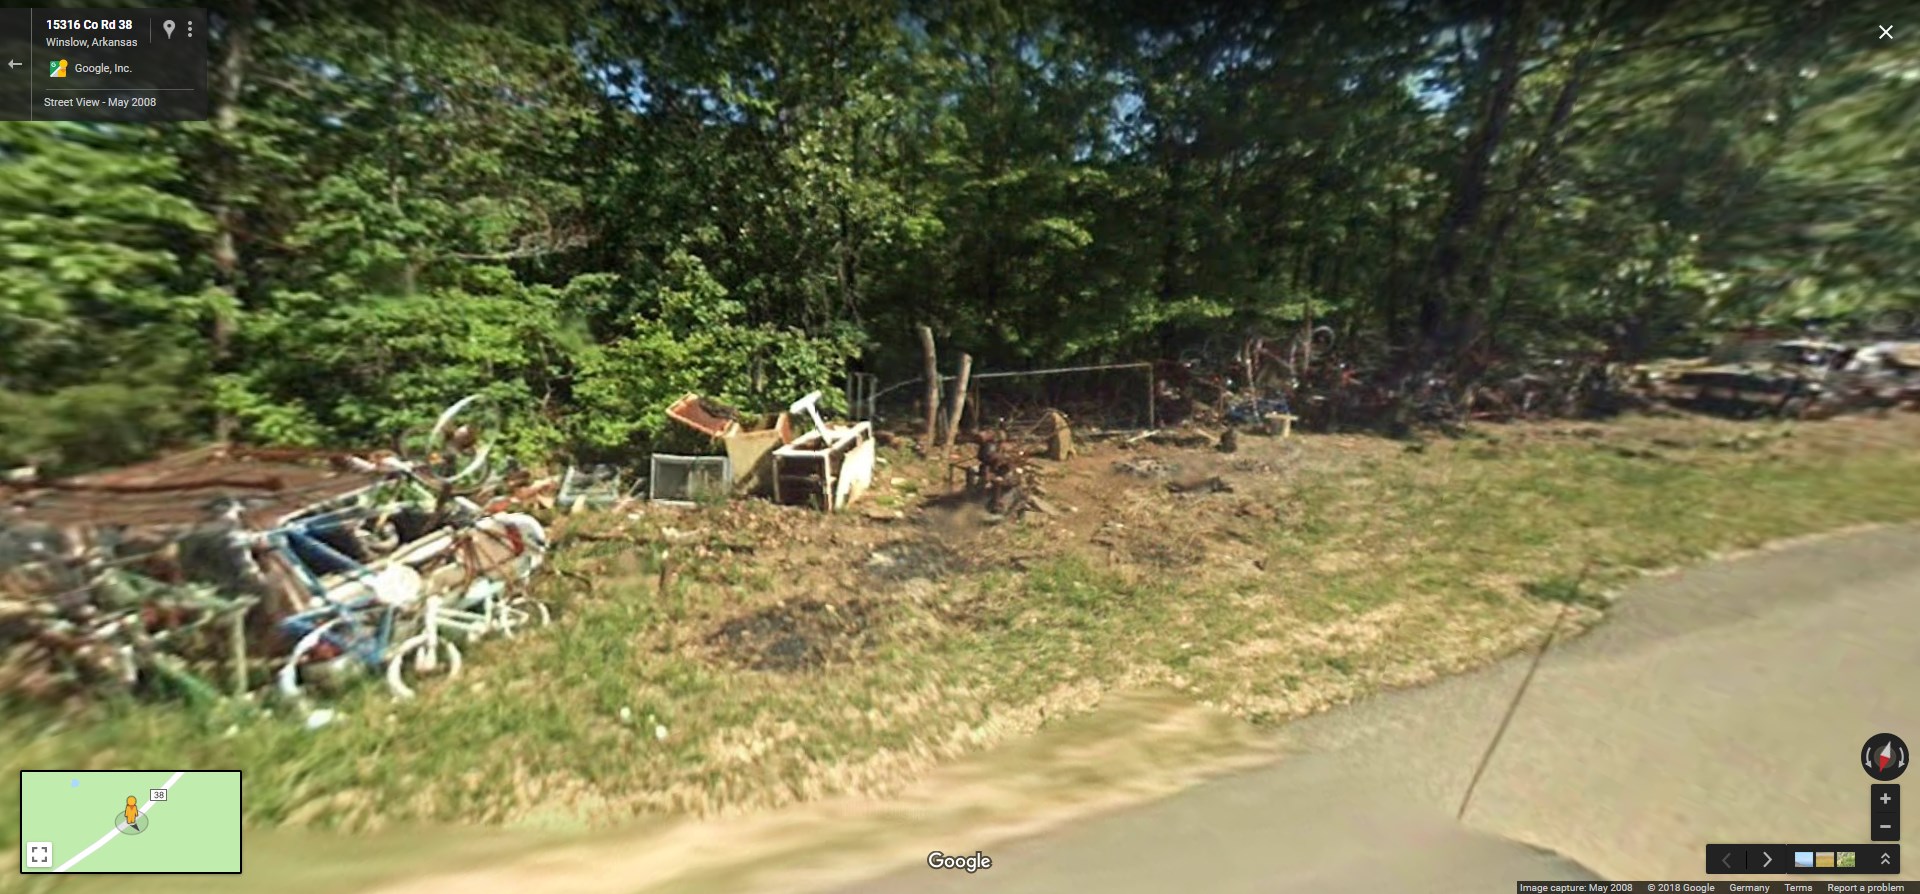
(98, 324)
(694, 341)
(588, 210)
(376, 367)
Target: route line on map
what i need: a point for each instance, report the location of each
(116, 832)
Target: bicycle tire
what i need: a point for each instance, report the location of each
(438, 437)
(287, 680)
(539, 616)
(430, 646)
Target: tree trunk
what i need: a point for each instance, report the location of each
(959, 397)
(396, 105)
(1532, 171)
(225, 251)
(1443, 298)
(1390, 288)
(932, 372)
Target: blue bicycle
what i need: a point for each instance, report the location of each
(357, 612)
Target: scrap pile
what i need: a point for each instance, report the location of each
(1791, 378)
(1242, 381)
(215, 570)
(1001, 474)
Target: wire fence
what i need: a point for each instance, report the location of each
(1106, 396)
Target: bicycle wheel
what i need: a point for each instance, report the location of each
(455, 449)
(520, 613)
(425, 657)
(287, 681)
(460, 445)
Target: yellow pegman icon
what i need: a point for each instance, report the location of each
(133, 813)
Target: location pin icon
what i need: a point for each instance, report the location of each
(167, 26)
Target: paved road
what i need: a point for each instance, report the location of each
(1724, 704)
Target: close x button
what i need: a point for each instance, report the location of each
(1725, 858)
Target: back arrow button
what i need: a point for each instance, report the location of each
(12, 63)
(1725, 858)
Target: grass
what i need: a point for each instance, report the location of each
(1356, 565)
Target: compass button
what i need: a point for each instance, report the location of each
(1884, 757)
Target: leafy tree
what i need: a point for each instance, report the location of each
(585, 210)
(96, 315)
(693, 337)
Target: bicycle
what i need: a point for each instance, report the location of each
(353, 606)
(391, 612)
(467, 563)
(120, 629)
(363, 629)
(368, 612)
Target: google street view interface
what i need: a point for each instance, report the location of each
(933, 446)
(92, 821)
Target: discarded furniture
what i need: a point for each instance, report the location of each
(704, 416)
(685, 480)
(597, 487)
(829, 467)
(809, 407)
(751, 453)
(750, 443)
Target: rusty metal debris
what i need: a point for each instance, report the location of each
(179, 490)
(1001, 474)
(214, 570)
(1792, 378)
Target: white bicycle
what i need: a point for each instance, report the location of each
(488, 564)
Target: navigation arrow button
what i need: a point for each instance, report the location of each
(1725, 858)
(11, 63)
(1768, 858)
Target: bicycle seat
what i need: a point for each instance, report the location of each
(397, 585)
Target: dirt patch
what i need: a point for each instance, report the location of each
(904, 560)
(799, 636)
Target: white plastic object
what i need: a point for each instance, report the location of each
(810, 405)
